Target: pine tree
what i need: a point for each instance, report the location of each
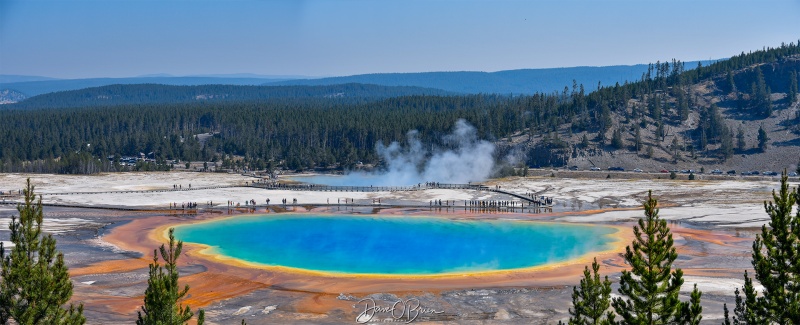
(760, 95)
(768, 106)
(660, 133)
(703, 139)
(762, 139)
(605, 117)
(616, 139)
(34, 281)
(792, 87)
(726, 142)
(740, 143)
(683, 109)
(741, 314)
(692, 312)
(163, 293)
(731, 83)
(651, 288)
(637, 139)
(675, 146)
(776, 260)
(591, 300)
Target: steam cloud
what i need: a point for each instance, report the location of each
(469, 160)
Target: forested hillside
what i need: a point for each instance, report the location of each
(740, 113)
(717, 114)
(278, 132)
(163, 94)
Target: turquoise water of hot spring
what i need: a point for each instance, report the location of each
(395, 245)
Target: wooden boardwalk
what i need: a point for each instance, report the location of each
(149, 191)
(420, 187)
(528, 204)
(332, 188)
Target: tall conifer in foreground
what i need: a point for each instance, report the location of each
(34, 281)
(591, 300)
(162, 294)
(650, 290)
(776, 260)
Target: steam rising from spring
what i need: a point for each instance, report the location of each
(468, 160)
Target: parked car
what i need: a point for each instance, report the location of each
(573, 167)
(594, 168)
(755, 172)
(684, 171)
(731, 172)
(716, 171)
(769, 173)
(792, 174)
(664, 171)
(619, 169)
(637, 170)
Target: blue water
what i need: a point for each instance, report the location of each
(393, 244)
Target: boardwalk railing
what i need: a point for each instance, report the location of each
(149, 191)
(523, 197)
(423, 186)
(331, 188)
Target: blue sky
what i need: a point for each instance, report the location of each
(120, 38)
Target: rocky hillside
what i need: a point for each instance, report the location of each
(707, 118)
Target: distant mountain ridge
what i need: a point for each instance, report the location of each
(11, 78)
(113, 95)
(39, 87)
(224, 75)
(523, 81)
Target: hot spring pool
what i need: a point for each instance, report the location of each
(394, 244)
